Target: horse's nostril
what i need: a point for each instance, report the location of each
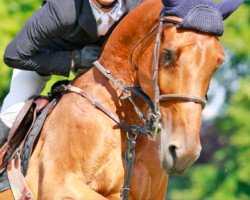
(172, 150)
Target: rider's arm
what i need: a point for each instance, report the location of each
(25, 51)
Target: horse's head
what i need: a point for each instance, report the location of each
(189, 54)
(187, 63)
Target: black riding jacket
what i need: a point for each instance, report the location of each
(45, 42)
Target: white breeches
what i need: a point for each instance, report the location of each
(24, 84)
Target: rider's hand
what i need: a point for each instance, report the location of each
(83, 59)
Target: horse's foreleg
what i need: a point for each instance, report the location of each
(72, 188)
(73, 192)
(85, 192)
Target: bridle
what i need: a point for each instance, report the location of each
(158, 97)
(152, 122)
(165, 97)
(168, 97)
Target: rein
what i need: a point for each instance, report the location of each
(151, 123)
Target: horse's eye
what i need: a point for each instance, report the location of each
(166, 58)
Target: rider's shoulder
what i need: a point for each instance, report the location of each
(66, 10)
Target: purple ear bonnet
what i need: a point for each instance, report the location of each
(200, 15)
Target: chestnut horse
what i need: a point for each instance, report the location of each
(80, 152)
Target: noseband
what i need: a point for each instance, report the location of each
(168, 97)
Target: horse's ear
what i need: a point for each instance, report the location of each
(227, 7)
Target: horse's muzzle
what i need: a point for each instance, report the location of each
(178, 153)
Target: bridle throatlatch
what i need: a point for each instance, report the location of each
(152, 122)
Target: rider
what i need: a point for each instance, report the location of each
(61, 36)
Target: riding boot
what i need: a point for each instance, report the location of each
(4, 130)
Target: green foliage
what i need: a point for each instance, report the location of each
(208, 173)
(236, 35)
(13, 15)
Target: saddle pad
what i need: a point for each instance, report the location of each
(29, 145)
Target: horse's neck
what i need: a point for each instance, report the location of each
(130, 31)
(116, 53)
(115, 58)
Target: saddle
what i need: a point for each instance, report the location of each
(21, 128)
(22, 138)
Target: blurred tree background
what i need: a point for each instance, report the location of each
(223, 170)
(13, 14)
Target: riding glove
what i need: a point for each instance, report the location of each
(83, 59)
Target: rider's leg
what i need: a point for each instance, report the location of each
(24, 84)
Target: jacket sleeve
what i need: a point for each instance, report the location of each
(25, 51)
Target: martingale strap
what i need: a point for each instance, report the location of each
(152, 121)
(132, 131)
(18, 184)
(142, 130)
(150, 128)
(98, 105)
(123, 87)
(137, 91)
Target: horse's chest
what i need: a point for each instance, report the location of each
(108, 178)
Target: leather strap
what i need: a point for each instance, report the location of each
(17, 181)
(20, 117)
(2, 153)
(119, 83)
(183, 97)
(98, 105)
(172, 19)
